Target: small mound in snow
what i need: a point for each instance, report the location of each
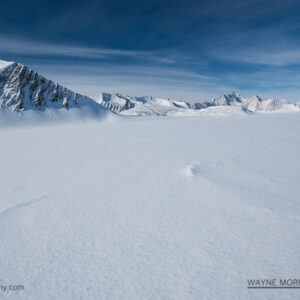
(192, 170)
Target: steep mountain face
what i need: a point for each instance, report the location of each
(23, 89)
(230, 99)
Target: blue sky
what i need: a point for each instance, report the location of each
(191, 50)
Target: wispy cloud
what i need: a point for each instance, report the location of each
(156, 73)
(22, 46)
(162, 73)
(156, 81)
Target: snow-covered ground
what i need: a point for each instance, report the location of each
(151, 208)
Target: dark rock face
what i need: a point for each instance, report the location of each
(202, 105)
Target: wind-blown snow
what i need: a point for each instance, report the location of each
(153, 208)
(87, 113)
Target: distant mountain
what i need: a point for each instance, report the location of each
(136, 106)
(145, 105)
(22, 89)
(254, 103)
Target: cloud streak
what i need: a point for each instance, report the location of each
(14, 45)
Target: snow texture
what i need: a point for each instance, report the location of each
(151, 208)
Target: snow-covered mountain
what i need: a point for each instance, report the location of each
(23, 89)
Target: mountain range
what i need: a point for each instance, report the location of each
(22, 89)
(126, 105)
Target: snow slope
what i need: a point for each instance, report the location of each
(151, 208)
(4, 64)
(157, 107)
